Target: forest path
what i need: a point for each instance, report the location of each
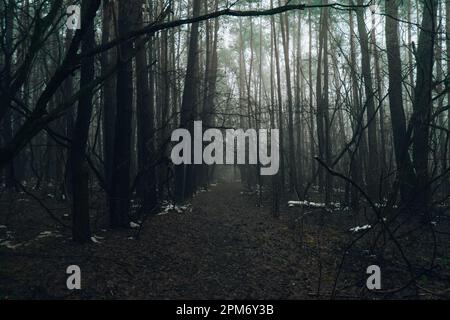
(225, 248)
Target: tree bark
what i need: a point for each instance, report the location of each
(423, 103)
(373, 171)
(120, 191)
(145, 122)
(405, 175)
(80, 176)
(184, 174)
(109, 96)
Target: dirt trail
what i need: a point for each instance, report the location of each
(225, 248)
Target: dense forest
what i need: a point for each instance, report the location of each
(91, 92)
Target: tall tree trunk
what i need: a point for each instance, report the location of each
(298, 109)
(312, 130)
(423, 102)
(184, 174)
(410, 53)
(280, 104)
(405, 176)
(6, 122)
(293, 179)
(320, 116)
(356, 161)
(211, 84)
(376, 57)
(79, 168)
(326, 105)
(373, 163)
(145, 126)
(109, 97)
(447, 33)
(120, 189)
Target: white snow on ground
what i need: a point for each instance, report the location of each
(8, 244)
(94, 240)
(134, 225)
(384, 205)
(168, 207)
(309, 204)
(47, 234)
(44, 234)
(2, 226)
(362, 228)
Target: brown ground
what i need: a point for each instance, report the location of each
(226, 247)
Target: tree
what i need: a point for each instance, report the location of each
(185, 174)
(293, 178)
(405, 176)
(109, 58)
(423, 103)
(120, 189)
(145, 122)
(373, 174)
(79, 168)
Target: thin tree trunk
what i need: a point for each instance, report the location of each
(184, 185)
(293, 179)
(145, 126)
(406, 175)
(120, 190)
(80, 174)
(423, 102)
(109, 96)
(373, 163)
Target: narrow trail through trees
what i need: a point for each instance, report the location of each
(225, 248)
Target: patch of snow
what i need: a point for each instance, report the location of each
(10, 245)
(94, 240)
(178, 209)
(51, 195)
(134, 225)
(384, 205)
(308, 204)
(47, 234)
(361, 228)
(2, 226)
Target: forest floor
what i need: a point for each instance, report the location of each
(224, 246)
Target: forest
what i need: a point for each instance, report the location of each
(352, 98)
